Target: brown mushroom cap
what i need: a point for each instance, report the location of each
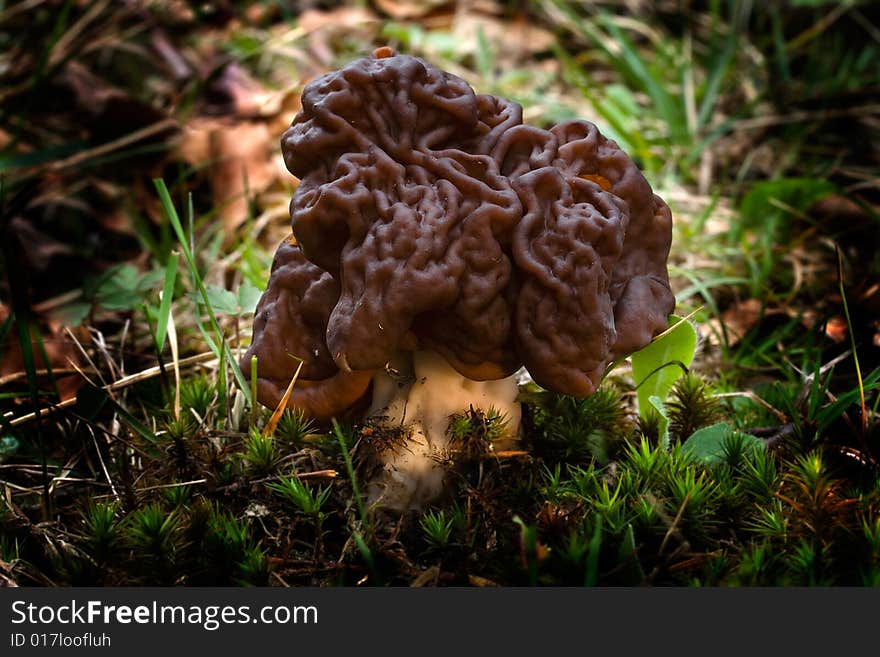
(289, 326)
(430, 216)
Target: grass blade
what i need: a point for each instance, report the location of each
(340, 436)
(167, 297)
(852, 338)
(223, 353)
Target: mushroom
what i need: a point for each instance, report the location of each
(438, 246)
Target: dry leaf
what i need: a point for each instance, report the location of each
(108, 112)
(238, 159)
(60, 350)
(409, 9)
(736, 321)
(233, 92)
(513, 40)
(324, 26)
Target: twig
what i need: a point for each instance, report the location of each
(751, 395)
(101, 461)
(15, 376)
(194, 482)
(117, 385)
(109, 147)
(86, 356)
(673, 528)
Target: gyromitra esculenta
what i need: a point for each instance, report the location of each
(438, 246)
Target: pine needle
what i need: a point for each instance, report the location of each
(282, 405)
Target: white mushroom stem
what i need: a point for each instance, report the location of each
(421, 391)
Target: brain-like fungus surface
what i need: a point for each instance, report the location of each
(430, 220)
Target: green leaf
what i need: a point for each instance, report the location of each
(707, 444)
(123, 287)
(657, 367)
(220, 299)
(167, 297)
(71, 314)
(248, 296)
(218, 347)
(657, 404)
(228, 302)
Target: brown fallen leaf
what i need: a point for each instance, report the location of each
(61, 355)
(236, 157)
(232, 91)
(513, 40)
(323, 27)
(106, 111)
(410, 9)
(740, 318)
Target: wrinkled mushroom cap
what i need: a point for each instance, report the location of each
(430, 217)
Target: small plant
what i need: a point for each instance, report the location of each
(472, 432)
(299, 495)
(177, 496)
(260, 453)
(647, 462)
(459, 426)
(573, 552)
(692, 496)
(737, 449)
(437, 528)
(809, 562)
(101, 530)
(230, 532)
(760, 476)
(691, 406)
(584, 480)
(294, 426)
(647, 512)
(554, 486)
(254, 568)
(591, 428)
(871, 532)
(153, 534)
(181, 428)
(755, 564)
(771, 522)
(197, 394)
(816, 503)
(532, 552)
(226, 540)
(180, 431)
(610, 506)
(223, 549)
